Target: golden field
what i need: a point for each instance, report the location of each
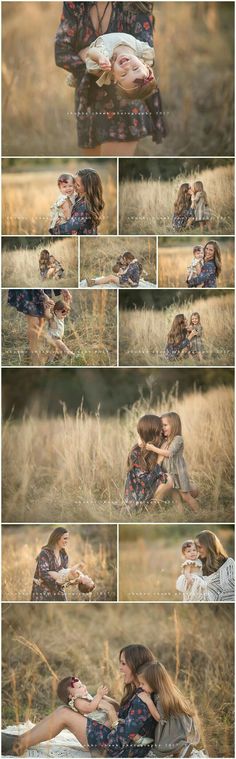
(174, 259)
(81, 478)
(93, 546)
(143, 333)
(150, 558)
(146, 206)
(90, 332)
(97, 256)
(27, 196)
(20, 265)
(194, 57)
(195, 642)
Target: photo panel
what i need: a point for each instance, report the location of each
(32, 261)
(179, 257)
(118, 262)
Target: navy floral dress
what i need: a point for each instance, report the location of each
(29, 302)
(207, 277)
(133, 273)
(173, 351)
(80, 222)
(48, 589)
(179, 221)
(140, 485)
(102, 113)
(135, 720)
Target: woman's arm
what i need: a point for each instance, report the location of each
(66, 46)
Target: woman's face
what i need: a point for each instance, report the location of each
(202, 551)
(209, 252)
(126, 671)
(63, 540)
(79, 186)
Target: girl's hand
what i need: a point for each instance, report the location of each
(145, 697)
(151, 447)
(67, 296)
(189, 581)
(104, 63)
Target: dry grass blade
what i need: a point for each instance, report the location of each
(37, 651)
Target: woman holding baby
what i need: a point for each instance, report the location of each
(52, 572)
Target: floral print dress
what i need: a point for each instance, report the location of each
(29, 302)
(207, 277)
(135, 719)
(44, 587)
(102, 113)
(80, 222)
(140, 485)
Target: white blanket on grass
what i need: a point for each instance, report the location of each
(142, 285)
(65, 744)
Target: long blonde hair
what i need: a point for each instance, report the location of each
(175, 424)
(161, 683)
(198, 187)
(216, 554)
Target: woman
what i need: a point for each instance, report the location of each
(133, 718)
(107, 123)
(86, 212)
(47, 584)
(211, 267)
(217, 568)
(183, 212)
(178, 344)
(32, 303)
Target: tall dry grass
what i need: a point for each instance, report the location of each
(74, 467)
(146, 206)
(28, 195)
(143, 333)
(153, 559)
(97, 256)
(194, 52)
(90, 332)
(93, 546)
(195, 642)
(20, 265)
(174, 259)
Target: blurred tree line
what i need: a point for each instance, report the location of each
(165, 298)
(175, 532)
(17, 164)
(109, 390)
(189, 240)
(15, 243)
(167, 168)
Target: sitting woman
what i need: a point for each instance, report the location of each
(49, 267)
(127, 271)
(178, 344)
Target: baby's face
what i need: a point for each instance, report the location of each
(127, 68)
(198, 254)
(78, 689)
(66, 187)
(61, 314)
(191, 552)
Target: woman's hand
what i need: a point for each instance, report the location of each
(67, 296)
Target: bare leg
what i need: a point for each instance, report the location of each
(61, 347)
(48, 728)
(106, 280)
(119, 148)
(34, 327)
(176, 499)
(162, 490)
(91, 151)
(188, 498)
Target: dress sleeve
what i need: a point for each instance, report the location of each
(139, 23)
(175, 446)
(181, 583)
(227, 577)
(44, 569)
(202, 278)
(66, 53)
(137, 716)
(78, 223)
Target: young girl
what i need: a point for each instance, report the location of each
(176, 725)
(88, 206)
(196, 264)
(144, 473)
(121, 59)
(72, 692)
(200, 207)
(49, 266)
(195, 332)
(61, 209)
(177, 339)
(127, 272)
(191, 568)
(55, 332)
(183, 213)
(171, 458)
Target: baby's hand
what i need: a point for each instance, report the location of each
(145, 697)
(104, 63)
(102, 690)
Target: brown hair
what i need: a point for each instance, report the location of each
(177, 331)
(216, 554)
(65, 178)
(135, 656)
(55, 537)
(146, 86)
(149, 429)
(198, 249)
(62, 689)
(195, 313)
(217, 255)
(130, 257)
(198, 187)
(61, 306)
(183, 200)
(93, 192)
(161, 683)
(44, 255)
(187, 544)
(175, 423)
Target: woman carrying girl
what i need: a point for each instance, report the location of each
(52, 572)
(61, 209)
(178, 344)
(127, 271)
(144, 472)
(217, 568)
(108, 123)
(87, 209)
(211, 267)
(171, 459)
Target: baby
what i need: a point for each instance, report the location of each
(191, 568)
(55, 332)
(121, 59)
(75, 577)
(61, 209)
(72, 692)
(55, 268)
(196, 264)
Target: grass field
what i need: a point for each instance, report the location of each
(195, 642)
(146, 206)
(90, 332)
(143, 332)
(92, 545)
(194, 54)
(83, 478)
(28, 194)
(150, 559)
(174, 259)
(20, 265)
(97, 256)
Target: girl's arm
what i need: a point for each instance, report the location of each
(66, 207)
(146, 698)
(66, 54)
(161, 451)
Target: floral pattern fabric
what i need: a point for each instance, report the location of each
(140, 486)
(135, 720)
(80, 222)
(44, 587)
(207, 277)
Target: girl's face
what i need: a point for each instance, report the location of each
(194, 320)
(126, 671)
(143, 684)
(78, 689)
(62, 542)
(190, 552)
(127, 68)
(209, 252)
(79, 186)
(202, 551)
(66, 186)
(166, 427)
